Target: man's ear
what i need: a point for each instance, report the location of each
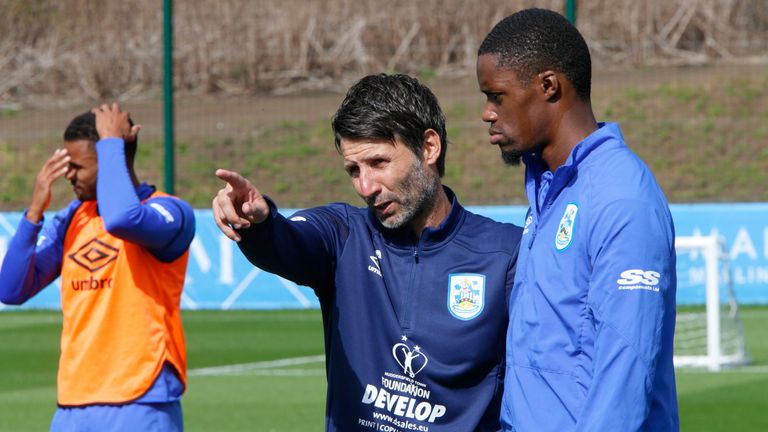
(432, 147)
(550, 85)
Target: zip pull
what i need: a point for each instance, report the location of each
(534, 228)
(416, 255)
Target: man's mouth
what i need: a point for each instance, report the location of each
(496, 137)
(382, 207)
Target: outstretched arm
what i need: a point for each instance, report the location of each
(274, 243)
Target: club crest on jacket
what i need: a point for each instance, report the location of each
(466, 295)
(565, 229)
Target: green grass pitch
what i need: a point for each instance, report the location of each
(263, 371)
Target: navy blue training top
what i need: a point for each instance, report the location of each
(414, 327)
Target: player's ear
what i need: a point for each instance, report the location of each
(432, 146)
(549, 84)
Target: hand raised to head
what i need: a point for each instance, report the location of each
(53, 169)
(112, 122)
(237, 205)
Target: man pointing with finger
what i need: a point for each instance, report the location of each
(413, 289)
(121, 250)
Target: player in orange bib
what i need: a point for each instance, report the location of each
(121, 249)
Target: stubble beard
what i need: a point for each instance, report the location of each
(83, 194)
(510, 155)
(511, 158)
(418, 192)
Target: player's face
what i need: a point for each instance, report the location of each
(83, 166)
(396, 185)
(516, 115)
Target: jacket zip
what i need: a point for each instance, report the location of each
(409, 292)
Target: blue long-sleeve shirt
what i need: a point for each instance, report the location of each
(589, 346)
(164, 225)
(414, 327)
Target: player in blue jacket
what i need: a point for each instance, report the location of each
(589, 346)
(413, 289)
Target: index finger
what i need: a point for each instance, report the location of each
(233, 178)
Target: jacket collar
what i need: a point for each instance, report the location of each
(535, 166)
(144, 191)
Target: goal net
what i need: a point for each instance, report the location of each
(711, 336)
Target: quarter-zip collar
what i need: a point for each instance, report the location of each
(535, 167)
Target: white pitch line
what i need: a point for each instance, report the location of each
(758, 369)
(248, 367)
(21, 321)
(285, 372)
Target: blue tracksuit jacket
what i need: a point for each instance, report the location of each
(414, 327)
(589, 346)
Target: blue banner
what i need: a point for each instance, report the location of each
(219, 277)
(744, 227)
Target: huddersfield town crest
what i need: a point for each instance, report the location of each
(466, 295)
(565, 229)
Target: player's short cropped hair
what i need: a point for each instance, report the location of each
(83, 127)
(533, 40)
(388, 107)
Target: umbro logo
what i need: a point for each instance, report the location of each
(376, 259)
(94, 255)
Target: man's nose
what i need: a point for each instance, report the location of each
(489, 114)
(368, 184)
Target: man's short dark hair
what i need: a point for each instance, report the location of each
(533, 40)
(388, 107)
(83, 127)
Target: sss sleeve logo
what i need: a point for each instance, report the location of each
(633, 279)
